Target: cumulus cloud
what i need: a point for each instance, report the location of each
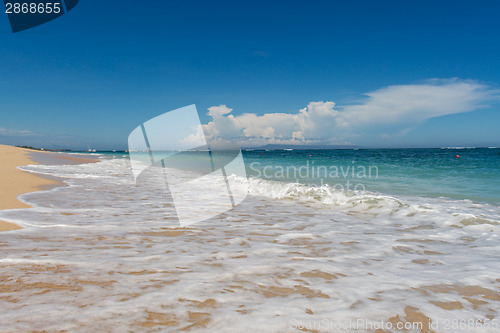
(323, 122)
(195, 139)
(309, 125)
(248, 127)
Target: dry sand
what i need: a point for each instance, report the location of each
(14, 182)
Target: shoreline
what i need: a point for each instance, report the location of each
(422, 267)
(14, 182)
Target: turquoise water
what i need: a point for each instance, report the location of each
(421, 172)
(417, 172)
(118, 254)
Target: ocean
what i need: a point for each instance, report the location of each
(435, 173)
(327, 240)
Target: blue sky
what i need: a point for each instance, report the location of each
(91, 76)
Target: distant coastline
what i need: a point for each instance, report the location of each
(266, 147)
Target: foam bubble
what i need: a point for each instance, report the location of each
(105, 254)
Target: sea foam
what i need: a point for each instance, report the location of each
(106, 254)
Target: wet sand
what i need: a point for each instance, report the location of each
(14, 182)
(267, 266)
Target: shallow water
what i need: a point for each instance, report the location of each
(104, 254)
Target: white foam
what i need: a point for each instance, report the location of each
(287, 248)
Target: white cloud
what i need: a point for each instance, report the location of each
(217, 111)
(195, 139)
(316, 120)
(249, 126)
(416, 103)
(398, 106)
(14, 132)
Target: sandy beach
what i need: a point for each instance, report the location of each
(103, 254)
(14, 182)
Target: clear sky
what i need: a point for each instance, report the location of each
(369, 73)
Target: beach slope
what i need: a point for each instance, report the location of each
(14, 182)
